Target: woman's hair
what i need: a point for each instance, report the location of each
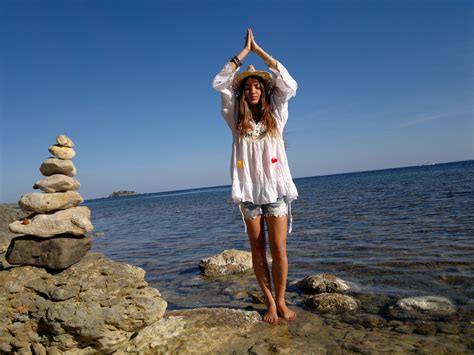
(265, 113)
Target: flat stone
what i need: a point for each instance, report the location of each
(58, 252)
(322, 283)
(39, 202)
(332, 303)
(228, 262)
(75, 220)
(53, 166)
(61, 152)
(57, 183)
(64, 141)
(422, 307)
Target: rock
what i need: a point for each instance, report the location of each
(75, 220)
(58, 252)
(422, 307)
(57, 183)
(47, 202)
(322, 283)
(367, 320)
(64, 153)
(332, 303)
(64, 141)
(53, 166)
(95, 306)
(228, 262)
(122, 193)
(257, 297)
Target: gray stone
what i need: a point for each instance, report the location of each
(39, 202)
(63, 153)
(422, 307)
(53, 166)
(332, 303)
(58, 252)
(322, 283)
(228, 262)
(64, 141)
(75, 220)
(57, 183)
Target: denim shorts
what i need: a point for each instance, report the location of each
(278, 208)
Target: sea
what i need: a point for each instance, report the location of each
(395, 232)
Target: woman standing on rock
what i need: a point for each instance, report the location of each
(255, 106)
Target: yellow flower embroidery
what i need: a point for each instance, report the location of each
(240, 164)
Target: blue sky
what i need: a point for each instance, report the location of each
(382, 84)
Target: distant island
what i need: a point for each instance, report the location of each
(123, 193)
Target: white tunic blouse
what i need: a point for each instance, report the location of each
(259, 165)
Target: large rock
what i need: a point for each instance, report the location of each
(64, 153)
(75, 220)
(55, 253)
(47, 202)
(332, 303)
(228, 262)
(64, 141)
(57, 183)
(422, 307)
(322, 283)
(95, 306)
(53, 166)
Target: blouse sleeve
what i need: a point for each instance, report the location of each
(285, 89)
(223, 83)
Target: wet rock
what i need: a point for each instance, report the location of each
(448, 328)
(53, 166)
(63, 153)
(58, 252)
(64, 141)
(332, 303)
(75, 220)
(406, 328)
(425, 328)
(322, 283)
(57, 183)
(39, 202)
(97, 304)
(367, 320)
(422, 307)
(228, 262)
(257, 297)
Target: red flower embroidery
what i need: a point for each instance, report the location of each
(274, 160)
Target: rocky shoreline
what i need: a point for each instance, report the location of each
(56, 297)
(101, 306)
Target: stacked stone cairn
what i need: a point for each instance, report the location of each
(54, 234)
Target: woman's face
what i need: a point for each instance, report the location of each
(252, 91)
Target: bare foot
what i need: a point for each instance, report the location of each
(286, 313)
(271, 315)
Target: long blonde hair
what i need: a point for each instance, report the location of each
(265, 114)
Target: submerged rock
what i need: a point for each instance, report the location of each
(322, 283)
(332, 303)
(55, 253)
(75, 220)
(57, 183)
(228, 262)
(422, 307)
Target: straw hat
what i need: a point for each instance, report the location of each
(266, 76)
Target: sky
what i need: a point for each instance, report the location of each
(381, 84)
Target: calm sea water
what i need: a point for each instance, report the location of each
(399, 232)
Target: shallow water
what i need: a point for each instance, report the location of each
(397, 232)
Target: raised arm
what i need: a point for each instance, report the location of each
(223, 82)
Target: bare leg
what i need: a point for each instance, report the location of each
(256, 233)
(277, 238)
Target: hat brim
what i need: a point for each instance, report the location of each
(266, 76)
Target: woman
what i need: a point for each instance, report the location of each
(255, 106)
